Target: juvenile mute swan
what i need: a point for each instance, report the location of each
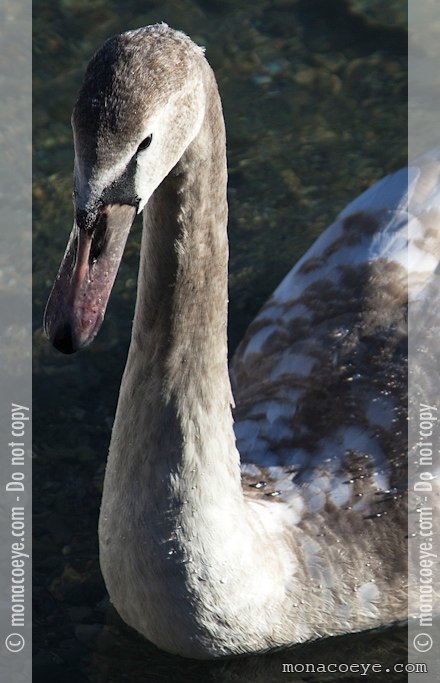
(307, 537)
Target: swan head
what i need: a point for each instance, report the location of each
(141, 105)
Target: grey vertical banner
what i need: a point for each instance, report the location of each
(15, 341)
(424, 341)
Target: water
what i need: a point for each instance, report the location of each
(314, 96)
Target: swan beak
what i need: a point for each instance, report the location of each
(76, 306)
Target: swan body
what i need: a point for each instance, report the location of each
(204, 555)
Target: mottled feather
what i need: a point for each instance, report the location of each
(320, 378)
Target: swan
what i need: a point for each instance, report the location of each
(305, 537)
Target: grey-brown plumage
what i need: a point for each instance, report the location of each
(308, 538)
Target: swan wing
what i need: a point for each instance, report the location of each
(320, 378)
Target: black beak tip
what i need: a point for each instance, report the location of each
(64, 339)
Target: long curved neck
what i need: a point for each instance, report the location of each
(178, 353)
(181, 309)
(173, 497)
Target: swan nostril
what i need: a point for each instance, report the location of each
(99, 237)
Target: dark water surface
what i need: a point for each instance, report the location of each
(314, 95)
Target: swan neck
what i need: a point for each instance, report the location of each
(180, 325)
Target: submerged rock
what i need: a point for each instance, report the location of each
(390, 13)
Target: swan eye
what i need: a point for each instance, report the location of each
(145, 143)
